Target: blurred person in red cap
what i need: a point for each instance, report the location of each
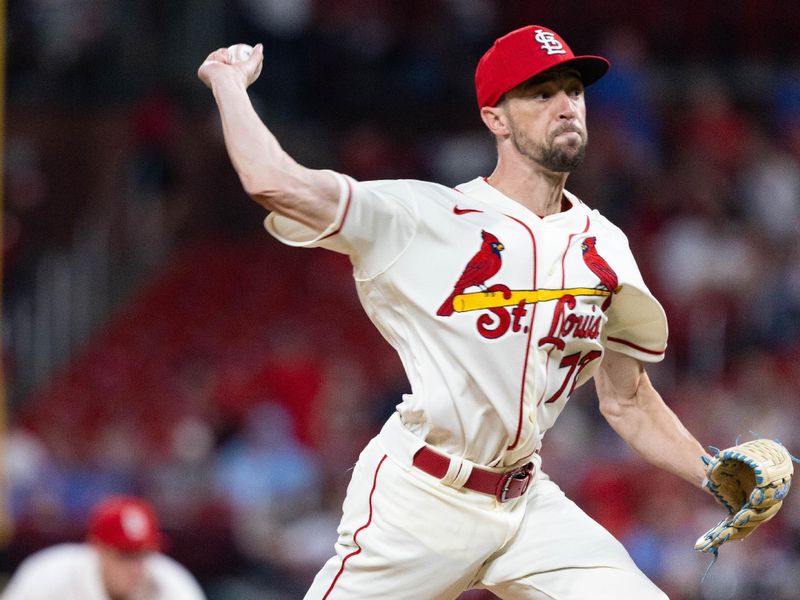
(120, 560)
(501, 296)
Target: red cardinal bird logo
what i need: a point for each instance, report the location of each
(598, 265)
(485, 264)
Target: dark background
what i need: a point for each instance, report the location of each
(157, 341)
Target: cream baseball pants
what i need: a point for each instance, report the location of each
(405, 535)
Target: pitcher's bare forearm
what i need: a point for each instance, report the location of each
(636, 411)
(268, 174)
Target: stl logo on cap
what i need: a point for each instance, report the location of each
(549, 42)
(524, 53)
(135, 523)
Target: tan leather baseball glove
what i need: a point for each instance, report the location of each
(750, 480)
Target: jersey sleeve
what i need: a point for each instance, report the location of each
(374, 223)
(21, 585)
(38, 577)
(637, 323)
(174, 581)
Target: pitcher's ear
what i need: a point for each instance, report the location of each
(496, 120)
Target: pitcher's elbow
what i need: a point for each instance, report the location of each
(610, 409)
(259, 192)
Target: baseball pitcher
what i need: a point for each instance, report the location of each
(501, 297)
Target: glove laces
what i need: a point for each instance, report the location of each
(716, 451)
(715, 552)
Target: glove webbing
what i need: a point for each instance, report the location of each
(707, 461)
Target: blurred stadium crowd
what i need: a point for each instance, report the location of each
(158, 342)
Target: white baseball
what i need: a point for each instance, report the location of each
(240, 53)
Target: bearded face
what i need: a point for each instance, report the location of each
(562, 151)
(546, 117)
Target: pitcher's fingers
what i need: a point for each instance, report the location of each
(258, 53)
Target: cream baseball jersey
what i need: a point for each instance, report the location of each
(72, 572)
(497, 314)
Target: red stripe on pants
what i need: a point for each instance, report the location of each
(355, 535)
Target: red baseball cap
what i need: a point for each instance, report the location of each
(524, 53)
(126, 523)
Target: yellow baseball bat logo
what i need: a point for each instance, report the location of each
(484, 300)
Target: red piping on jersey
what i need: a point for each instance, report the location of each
(635, 347)
(346, 210)
(564, 256)
(563, 280)
(546, 376)
(355, 535)
(530, 334)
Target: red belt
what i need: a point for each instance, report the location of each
(503, 486)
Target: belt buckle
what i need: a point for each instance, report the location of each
(521, 475)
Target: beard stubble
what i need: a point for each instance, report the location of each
(556, 158)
